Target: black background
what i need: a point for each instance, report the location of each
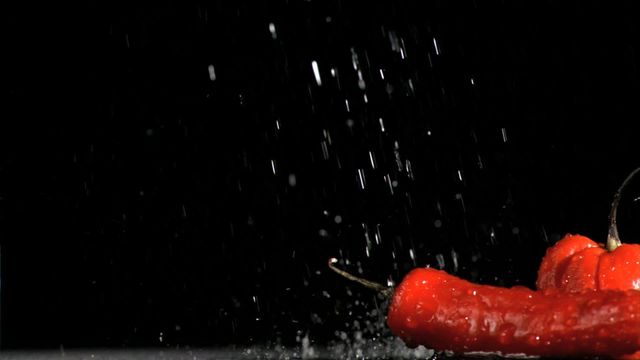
(138, 200)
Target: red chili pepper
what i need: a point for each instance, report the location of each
(441, 311)
(577, 263)
(438, 310)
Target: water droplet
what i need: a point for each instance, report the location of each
(387, 178)
(325, 150)
(361, 83)
(292, 180)
(272, 30)
(372, 160)
(381, 124)
(377, 235)
(361, 178)
(354, 59)
(396, 151)
(454, 259)
(505, 336)
(480, 164)
(436, 47)
(316, 72)
(409, 169)
(212, 72)
(410, 322)
(533, 339)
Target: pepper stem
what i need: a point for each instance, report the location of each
(384, 290)
(613, 239)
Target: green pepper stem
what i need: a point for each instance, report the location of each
(613, 239)
(383, 290)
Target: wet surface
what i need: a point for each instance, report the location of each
(254, 353)
(217, 354)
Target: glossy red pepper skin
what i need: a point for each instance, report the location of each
(577, 263)
(441, 311)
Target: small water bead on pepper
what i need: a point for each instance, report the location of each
(444, 312)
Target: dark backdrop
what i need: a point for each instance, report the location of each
(173, 174)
